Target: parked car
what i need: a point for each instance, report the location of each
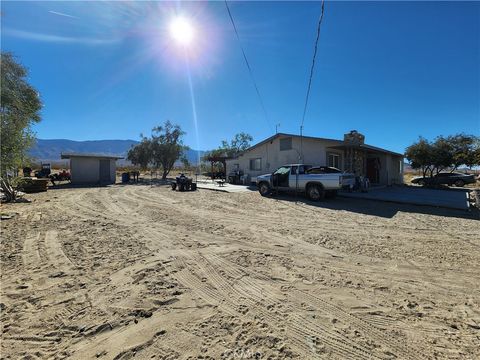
(315, 185)
(457, 179)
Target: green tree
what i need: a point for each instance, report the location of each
(238, 144)
(420, 155)
(464, 150)
(140, 154)
(166, 146)
(444, 153)
(161, 150)
(19, 110)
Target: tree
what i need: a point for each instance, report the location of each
(140, 154)
(161, 150)
(166, 146)
(464, 149)
(420, 155)
(444, 153)
(19, 110)
(238, 144)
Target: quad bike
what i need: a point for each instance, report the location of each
(184, 183)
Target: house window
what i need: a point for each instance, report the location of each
(286, 144)
(334, 160)
(256, 164)
(401, 166)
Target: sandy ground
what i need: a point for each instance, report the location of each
(125, 271)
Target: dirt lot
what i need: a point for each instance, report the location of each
(142, 271)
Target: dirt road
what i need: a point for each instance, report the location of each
(125, 271)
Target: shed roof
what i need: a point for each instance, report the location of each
(90, 155)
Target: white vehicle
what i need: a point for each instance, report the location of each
(316, 182)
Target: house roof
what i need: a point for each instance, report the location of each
(369, 147)
(337, 143)
(89, 155)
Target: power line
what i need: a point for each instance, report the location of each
(313, 64)
(248, 66)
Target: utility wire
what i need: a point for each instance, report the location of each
(248, 66)
(313, 64)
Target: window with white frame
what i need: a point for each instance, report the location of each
(256, 164)
(334, 160)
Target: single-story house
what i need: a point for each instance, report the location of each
(92, 168)
(382, 167)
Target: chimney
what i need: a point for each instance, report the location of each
(354, 138)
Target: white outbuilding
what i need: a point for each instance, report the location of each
(92, 168)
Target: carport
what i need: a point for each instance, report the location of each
(453, 199)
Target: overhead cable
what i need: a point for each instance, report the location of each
(249, 68)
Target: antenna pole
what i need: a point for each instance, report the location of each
(301, 143)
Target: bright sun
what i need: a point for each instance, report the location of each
(181, 31)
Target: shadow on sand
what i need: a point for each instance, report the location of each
(143, 182)
(373, 207)
(361, 206)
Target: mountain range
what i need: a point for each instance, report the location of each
(51, 149)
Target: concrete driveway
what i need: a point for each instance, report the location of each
(454, 199)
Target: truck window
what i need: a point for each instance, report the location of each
(301, 169)
(323, 170)
(282, 170)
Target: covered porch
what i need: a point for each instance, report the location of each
(381, 167)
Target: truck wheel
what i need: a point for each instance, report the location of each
(264, 189)
(315, 192)
(459, 183)
(174, 186)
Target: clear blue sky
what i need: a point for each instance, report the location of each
(391, 70)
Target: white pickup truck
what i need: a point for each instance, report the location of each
(316, 182)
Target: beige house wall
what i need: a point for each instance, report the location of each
(315, 152)
(395, 170)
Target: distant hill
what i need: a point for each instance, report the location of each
(50, 150)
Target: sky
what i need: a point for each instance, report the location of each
(394, 71)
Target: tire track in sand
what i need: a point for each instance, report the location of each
(295, 295)
(302, 325)
(304, 334)
(55, 252)
(30, 253)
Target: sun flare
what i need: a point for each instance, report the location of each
(182, 31)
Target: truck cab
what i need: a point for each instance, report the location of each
(298, 178)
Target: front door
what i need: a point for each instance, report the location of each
(105, 171)
(373, 170)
